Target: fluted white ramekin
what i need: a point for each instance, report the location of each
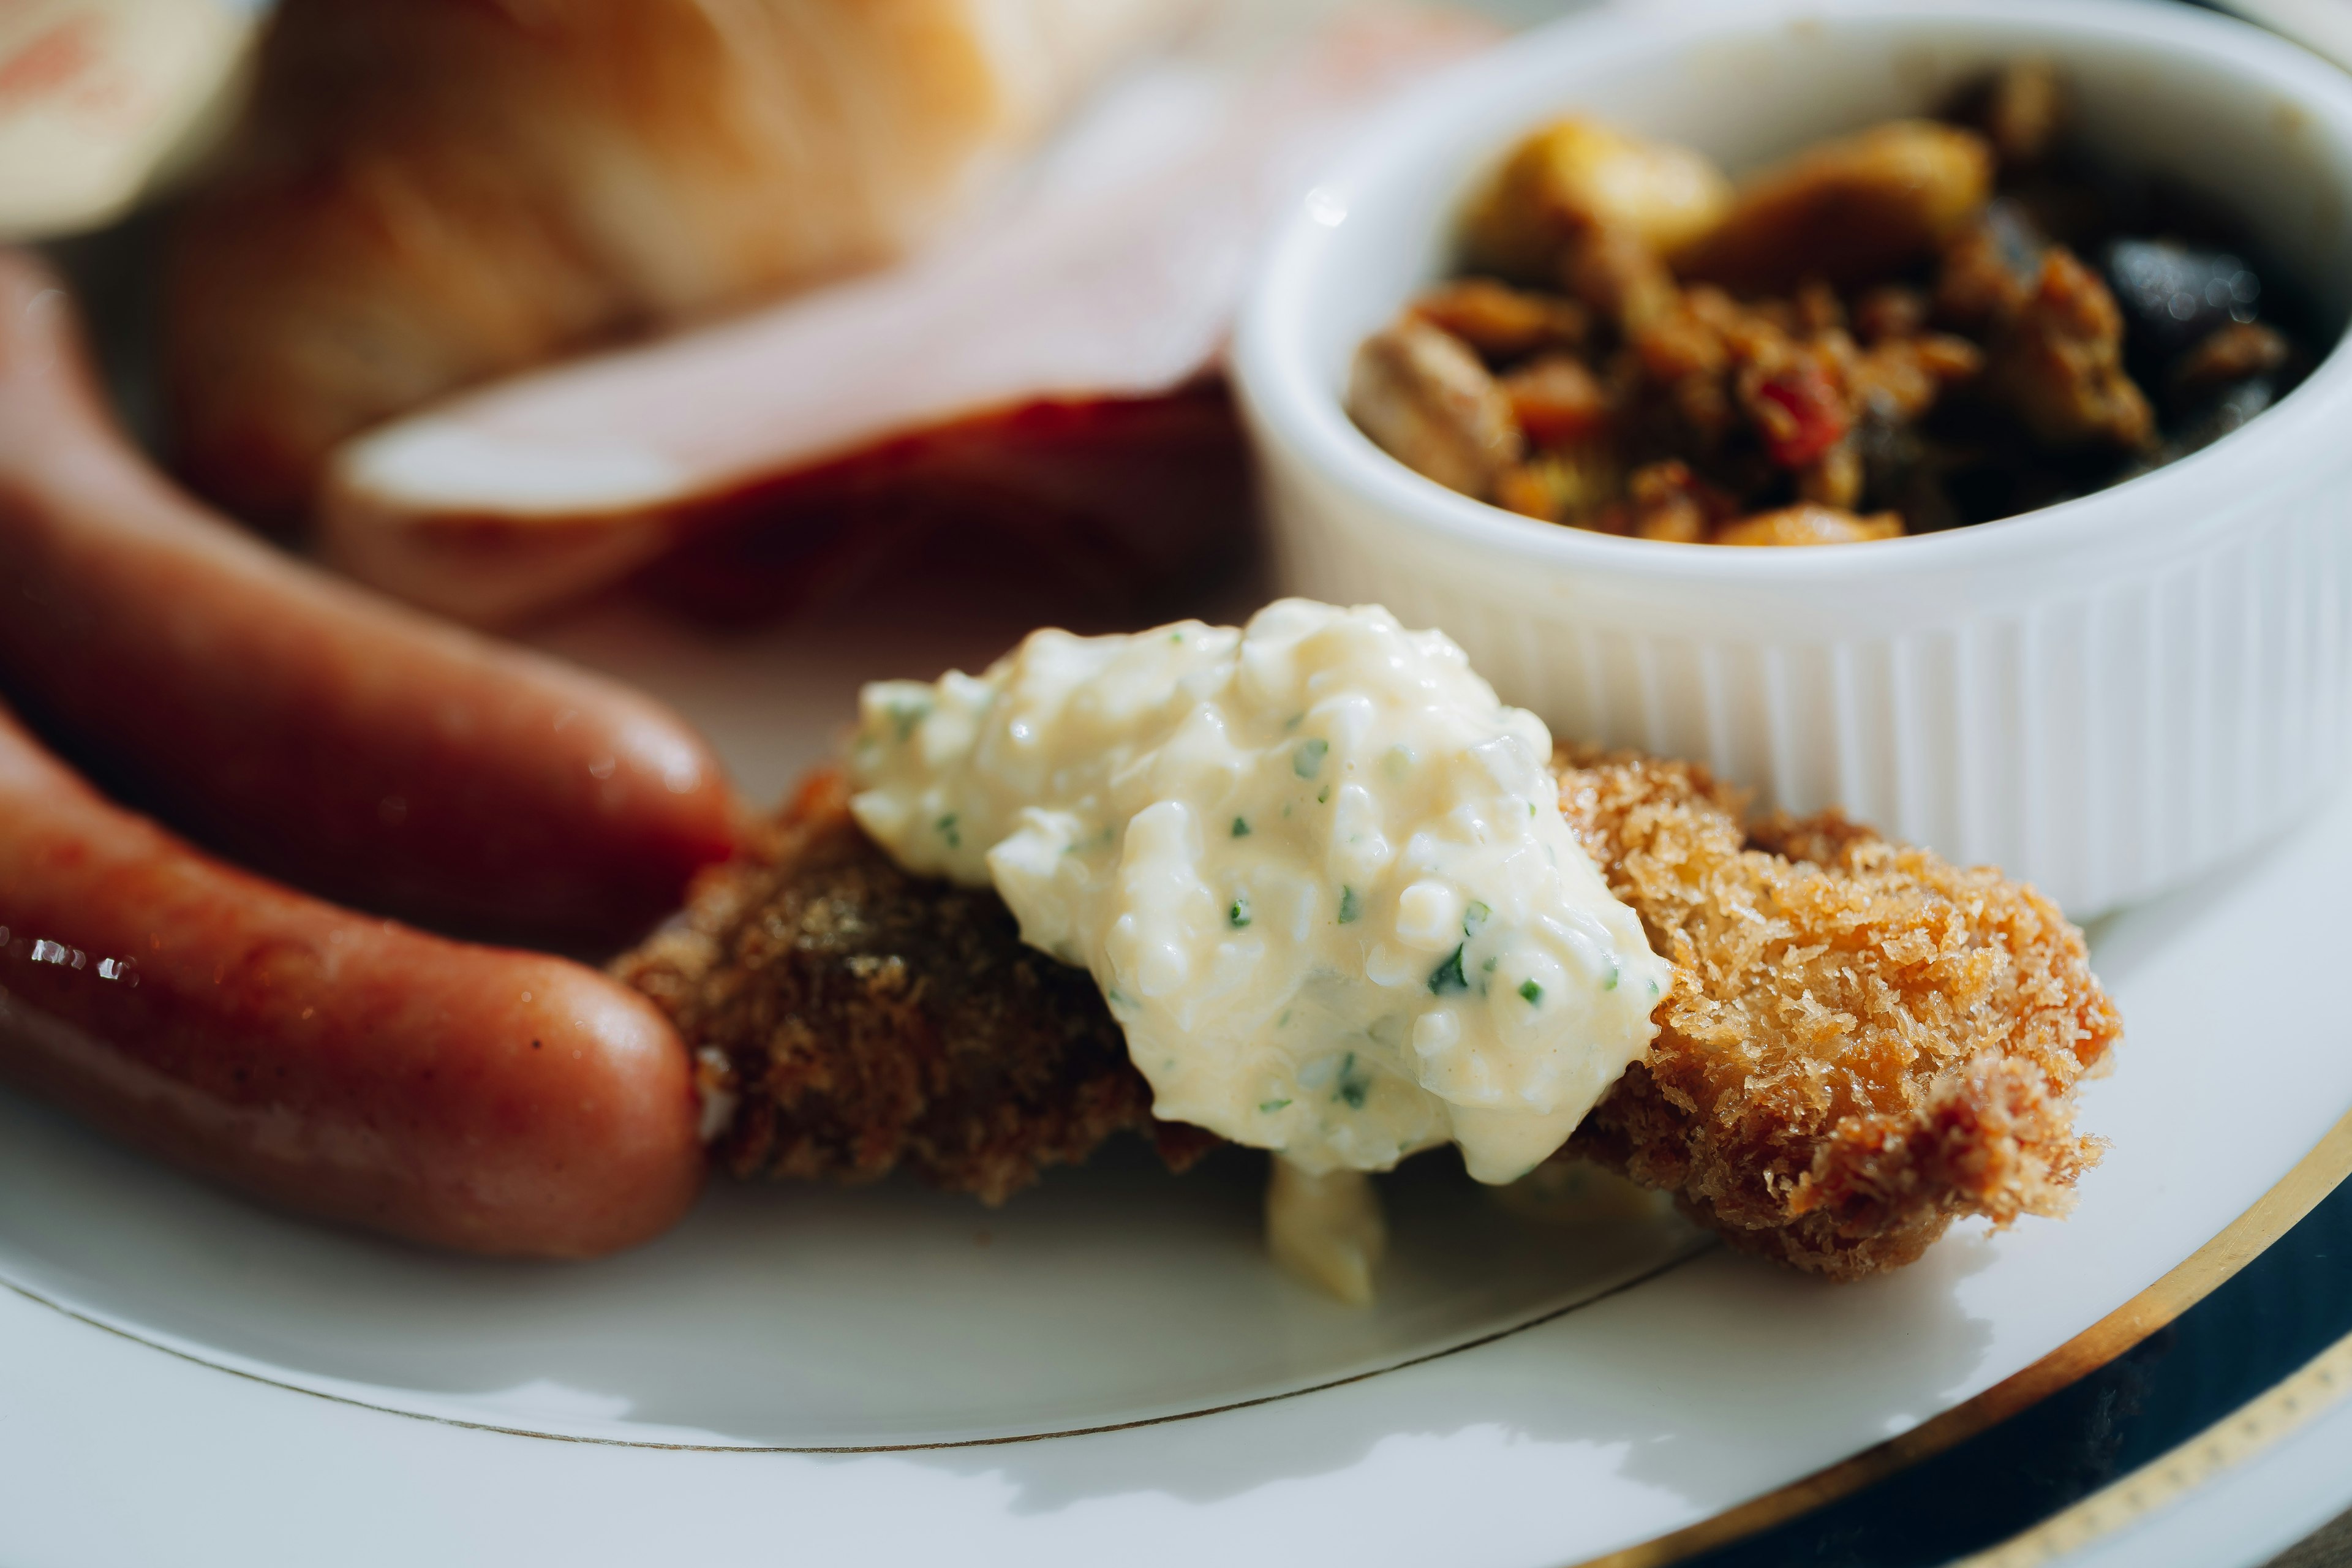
(2106, 697)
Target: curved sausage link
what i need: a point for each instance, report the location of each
(302, 724)
(350, 1067)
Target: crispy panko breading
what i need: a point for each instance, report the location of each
(870, 1019)
(1863, 1042)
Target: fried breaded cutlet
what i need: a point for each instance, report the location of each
(1862, 1043)
(869, 1019)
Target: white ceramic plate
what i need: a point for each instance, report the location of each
(185, 1379)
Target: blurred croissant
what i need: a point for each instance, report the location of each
(429, 193)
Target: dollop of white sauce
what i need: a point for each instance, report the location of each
(1318, 870)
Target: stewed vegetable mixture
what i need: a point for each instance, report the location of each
(1928, 323)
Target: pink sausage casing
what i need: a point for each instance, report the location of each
(350, 1067)
(308, 726)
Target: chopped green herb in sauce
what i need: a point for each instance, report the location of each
(946, 831)
(1238, 915)
(1349, 908)
(1354, 1085)
(1611, 983)
(1474, 920)
(1323, 796)
(1532, 992)
(904, 716)
(1307, 761)
(1447, 977)
(1241, 828)
(1268, 1107)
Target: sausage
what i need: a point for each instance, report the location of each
(337, 1064)
(304, 725)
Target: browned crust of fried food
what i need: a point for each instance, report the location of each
(871, 1019)
(1863, 1041)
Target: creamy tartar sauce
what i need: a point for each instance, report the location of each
(1318, 869)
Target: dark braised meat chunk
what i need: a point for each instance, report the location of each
(2227, 356)
(2057, 362)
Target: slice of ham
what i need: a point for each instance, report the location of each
(1102, 512)
(1108, 284)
